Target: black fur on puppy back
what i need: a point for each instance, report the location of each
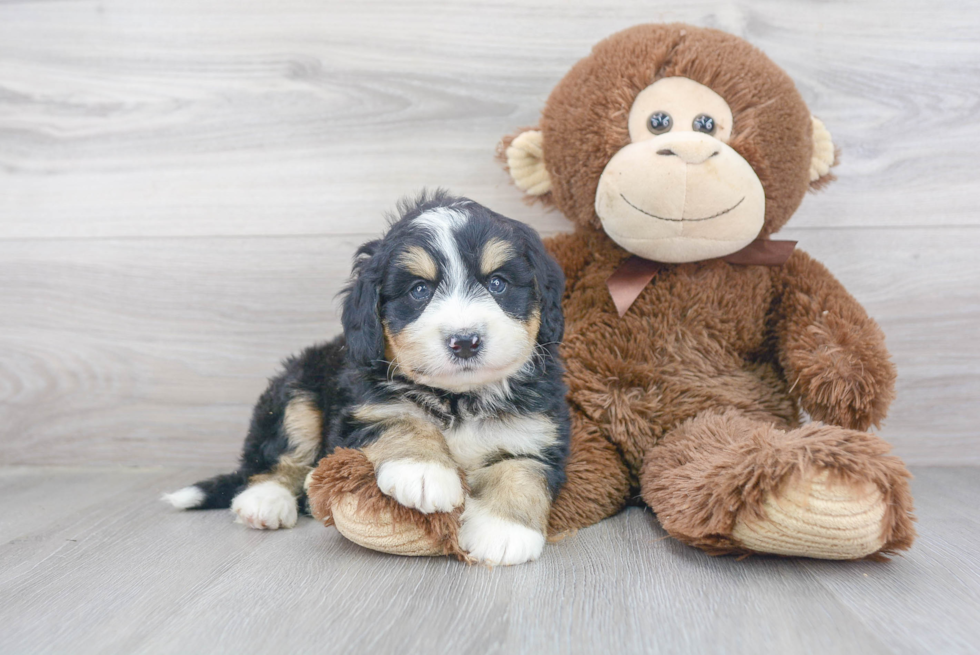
(361, 316)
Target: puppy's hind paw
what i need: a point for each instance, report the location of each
(265, 506)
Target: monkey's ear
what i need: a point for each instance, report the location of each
(824, 155)
(524, 155)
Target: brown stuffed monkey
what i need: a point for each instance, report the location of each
(693, 344)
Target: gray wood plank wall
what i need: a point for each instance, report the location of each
(182, 183)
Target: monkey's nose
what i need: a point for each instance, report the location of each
(691, 150)
(464, 346)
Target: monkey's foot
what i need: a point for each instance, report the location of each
(730, 483)
(818, 518)
(343, 492)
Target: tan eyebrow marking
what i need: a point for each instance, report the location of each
(418, 262)
(495, 254)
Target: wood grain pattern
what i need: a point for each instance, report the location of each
(946, 502)
(182, 184)
(134, 576)
(295, 117)
(48, 511)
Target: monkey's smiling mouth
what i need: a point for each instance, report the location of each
(681, 220)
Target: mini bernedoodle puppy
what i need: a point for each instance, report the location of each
(449, 362)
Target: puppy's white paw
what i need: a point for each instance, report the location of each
(425, 486)
(265, 506)
(497, 541)
(186, 498)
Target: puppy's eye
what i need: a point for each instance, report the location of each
(704, 123)
(660, 122)
(420, 291)
(496, 285)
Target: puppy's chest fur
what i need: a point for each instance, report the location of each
(481, 429)
(477, 442)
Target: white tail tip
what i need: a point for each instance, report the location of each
(186, 498)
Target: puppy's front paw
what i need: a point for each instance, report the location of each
(265, 506)
(425, 486)
(497, 541)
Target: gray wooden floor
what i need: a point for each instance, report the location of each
(92, 562)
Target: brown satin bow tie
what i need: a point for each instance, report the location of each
(629, 280)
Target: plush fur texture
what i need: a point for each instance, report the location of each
(710, 469)
(708, 337)
(348, 472)
(694, 399)
(773, 136)
(705, 337)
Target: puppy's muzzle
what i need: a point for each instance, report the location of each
(464, 346)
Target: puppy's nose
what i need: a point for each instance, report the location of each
(464, 346)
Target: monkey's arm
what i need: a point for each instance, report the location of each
(832, 352)
(412, 462)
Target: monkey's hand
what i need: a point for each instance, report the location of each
(343, 491)
(832, 352)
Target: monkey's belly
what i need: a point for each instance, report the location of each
(635, 411)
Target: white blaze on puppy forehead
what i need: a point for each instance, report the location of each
(442, 223)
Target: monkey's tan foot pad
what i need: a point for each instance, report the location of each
(379, 531)
(819, 517)
(343, 492)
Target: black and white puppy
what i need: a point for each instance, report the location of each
(449, 361)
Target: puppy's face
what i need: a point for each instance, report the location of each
(461, 307)
(460, 296)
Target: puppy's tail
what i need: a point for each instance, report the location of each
(213, 493)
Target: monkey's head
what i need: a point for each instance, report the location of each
(682, 143)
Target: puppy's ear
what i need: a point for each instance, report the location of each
(550, 281)
(361, 316)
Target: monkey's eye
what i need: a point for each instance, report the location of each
(704, 123)
(496, 285)
(420, 291)
(660, 122)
